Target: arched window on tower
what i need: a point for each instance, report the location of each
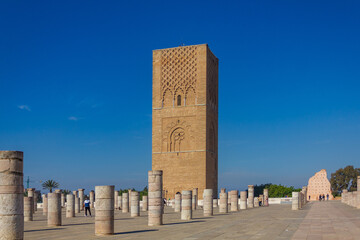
(179, 100)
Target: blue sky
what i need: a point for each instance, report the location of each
(76, 85)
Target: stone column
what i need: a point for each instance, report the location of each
(120, 202)
(186, 208)
(208, 202)
(116, 197)
(35, 199)
(304, 190)
(295, 201)
(223, 208)
(31, 193)
(358, 192)
(28, 209)
(104, 210)
(229, 198)
(77, 205)
(75, 193)
(70, 206)
(250, 196)
(81, 196)
(194, 199)
(243, 200)
(129, 201)
(256, 202)
(266, 197)
(63, 199)
(177, 202)
(215, 203)
(54, 209)
(45, 205)
(234, 201)
(11, 195)
(135, 204)
(125, 202)
(92, 198)
(145, 203)
(155, 216)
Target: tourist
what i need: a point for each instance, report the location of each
(323, 197)
(319, 197)
(87, 206)
(309, 197)
(327, 197)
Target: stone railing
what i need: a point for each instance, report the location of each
(352, 198)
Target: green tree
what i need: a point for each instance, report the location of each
(344, 178)
(66, 191)
(50, 184)
(275, 191)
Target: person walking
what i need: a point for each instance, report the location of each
(87, 206)
(327, 197)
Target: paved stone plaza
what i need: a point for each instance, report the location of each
(317, 220)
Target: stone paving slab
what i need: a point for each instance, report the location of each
(330, 220)
(317, 220)
(274, 222)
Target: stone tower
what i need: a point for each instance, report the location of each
(185, 118)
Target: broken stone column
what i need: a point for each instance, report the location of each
(63, 199)
(81, 196)
(155, 216)
(129, 191)
(35, 199)
(31, 193)
(186, 208)
(77, 205)
(11, 195)
(92, 198)
(208, 202)
(295, 201)
(194, 199)
(120, 202)
(135, 204)
(104, 210)
(177, 202)
(358, 192)
(243, 200)
(223, 208)
(229, 199)
(145, 203)
(256, 202)
(215, 203)
(54, 209)
(116, 197)
(266, 197)
(234, 201)
(45, 205)
(125, 202)
(28, 209)
(250, 196)
(70, 206)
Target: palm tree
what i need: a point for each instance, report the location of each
(65, 191)
(50, 184)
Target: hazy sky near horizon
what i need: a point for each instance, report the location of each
(76, 86)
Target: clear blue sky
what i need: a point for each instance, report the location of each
(76, 85)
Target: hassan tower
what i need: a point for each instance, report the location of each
(185, 118)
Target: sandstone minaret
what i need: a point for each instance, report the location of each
(185, 118)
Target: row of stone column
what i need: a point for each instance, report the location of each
(352, 198)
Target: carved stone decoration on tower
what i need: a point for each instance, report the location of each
(185, 118)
